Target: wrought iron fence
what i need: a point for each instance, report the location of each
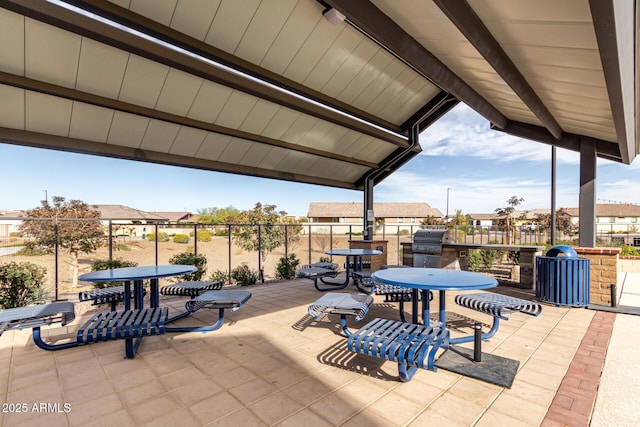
(154, 244)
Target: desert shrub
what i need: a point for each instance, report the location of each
(475, 261)
(628, 250)
(325, 259)
(203, 236)
(220, 276)
(490, 257)
(181, 238)
(162, 237)
(31, 249)
(286, 268)
(122, 247)
(21, 284)
(108, 264)
(244, 276)
(189, 258)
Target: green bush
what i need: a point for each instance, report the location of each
(21, 284)
(108, 264)
(490, 257)
(286, 268)
(244, 276)
(162, 237)
(181, 238)
(628, 250)
(189, 258)
(475, 261)
(220, 276)
(203, 236)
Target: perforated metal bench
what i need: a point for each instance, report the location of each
(220, 300)
(130, 325)
(315, 273)
(411, 346)
(495, 305)
(329, 265)
(111, 295)
(36, 316)
(355, 305)
(189, 289)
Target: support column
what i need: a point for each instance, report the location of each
(587, 203)
(368, 219)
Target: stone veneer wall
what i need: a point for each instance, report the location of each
(604, 269)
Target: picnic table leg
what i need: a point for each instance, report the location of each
(154, 298)
(341, 284)
(37, 340)
(131, 346)
(127, 295)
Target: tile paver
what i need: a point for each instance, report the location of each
(270, 364)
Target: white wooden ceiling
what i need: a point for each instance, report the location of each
(95, 88)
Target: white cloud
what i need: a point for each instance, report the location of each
(464, 132)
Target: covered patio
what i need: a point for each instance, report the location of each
(273, 364)
(333, 93)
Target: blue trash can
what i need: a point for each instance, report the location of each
(562, 278)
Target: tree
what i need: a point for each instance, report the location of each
(271, 234)
(72, 225)
(563, 222)
(430, 220)
(228, 215)
(507, 212)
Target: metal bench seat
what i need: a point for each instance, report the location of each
(114, 325)
(190, 289)
(495, 305)
(342, 304)
(220, 300)
(329, 265)
(36, 316)
(111, 295)
(411, 346)
(315, 273)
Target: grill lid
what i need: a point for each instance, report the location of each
(429, 240)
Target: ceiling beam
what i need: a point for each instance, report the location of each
(431, 111)
(366, 17)
(471, 26)
(113, 36)
(73, 145)
(125, 107)
(568, 141)
(604, 24)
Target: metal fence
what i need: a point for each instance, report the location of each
(155, 244)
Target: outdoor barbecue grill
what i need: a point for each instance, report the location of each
(427, 247)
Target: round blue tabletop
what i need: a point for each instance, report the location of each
(137, 273)
(434, 279)
(353, 252)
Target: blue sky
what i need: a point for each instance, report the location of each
(482, 168)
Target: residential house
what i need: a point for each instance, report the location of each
(177, 217)
(396, 215)
(612, 218)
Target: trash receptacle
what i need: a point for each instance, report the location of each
(562, 278)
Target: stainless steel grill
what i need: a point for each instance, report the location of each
(427, 247)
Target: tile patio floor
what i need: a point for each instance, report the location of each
(272, 364)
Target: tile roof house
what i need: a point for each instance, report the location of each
(613, 217)
(121, 212)
(175, 217)
(352, 212)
